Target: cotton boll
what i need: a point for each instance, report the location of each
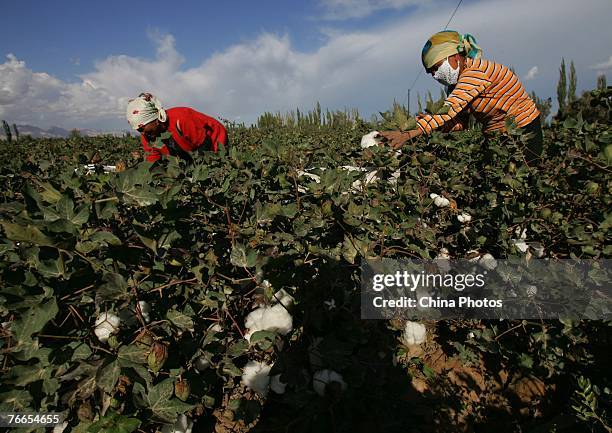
(275, 318)
(276, 385)
(311, 176)
(323, 377)
(520, 245)
(464, 218)
(414, 333)
(395, 177)
(370, 139)
(488, 261)
(182, 425)
(439, 200)
(256, 376)
(522, 234)
(106, 325)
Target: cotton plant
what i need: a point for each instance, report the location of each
(322, 378)
(106, 325)
(414, 333)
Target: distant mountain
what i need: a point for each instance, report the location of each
(57, 132)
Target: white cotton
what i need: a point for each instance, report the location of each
(395, 177)
(322, 377)
(276, 385)
(464, 218)
(256, 376)
(145, 310)
(414, 333)
(522, 234)
(370, 139)
(488, 261)
(106, 325)
(439, 200)
(311, 176)
(520, 245)
(275, 318)
(182, 425)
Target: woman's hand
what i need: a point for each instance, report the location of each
(396, 139)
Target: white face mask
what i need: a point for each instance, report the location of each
(446, 74)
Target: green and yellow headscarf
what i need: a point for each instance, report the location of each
(448, 43)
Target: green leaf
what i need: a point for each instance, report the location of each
(243, 257)
(165, 408)
(104, 237)
(263, 339)
(238, 348)
(114, 423)
(134, 353)
(180, 320)
(114, 288)
(108, 375)
(526, 361)
(30, 322)
(18, 233)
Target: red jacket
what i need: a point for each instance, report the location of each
(190, 129)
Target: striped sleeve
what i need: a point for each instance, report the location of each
(471, 84)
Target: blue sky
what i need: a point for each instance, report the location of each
(75, 64)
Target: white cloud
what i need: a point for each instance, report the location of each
(603, 66)
(347, 9)
(364, 69)
(531, 74)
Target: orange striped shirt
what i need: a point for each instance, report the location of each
(489, 91)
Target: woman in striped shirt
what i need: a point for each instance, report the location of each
(489, 91)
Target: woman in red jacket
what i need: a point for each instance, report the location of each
(176, 131)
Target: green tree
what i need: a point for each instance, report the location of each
(16, 131)
(601, 82)
(562, 88)
(571, 97)
(7, 131)
(544, 106)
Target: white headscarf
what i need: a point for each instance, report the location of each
(144, 109)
